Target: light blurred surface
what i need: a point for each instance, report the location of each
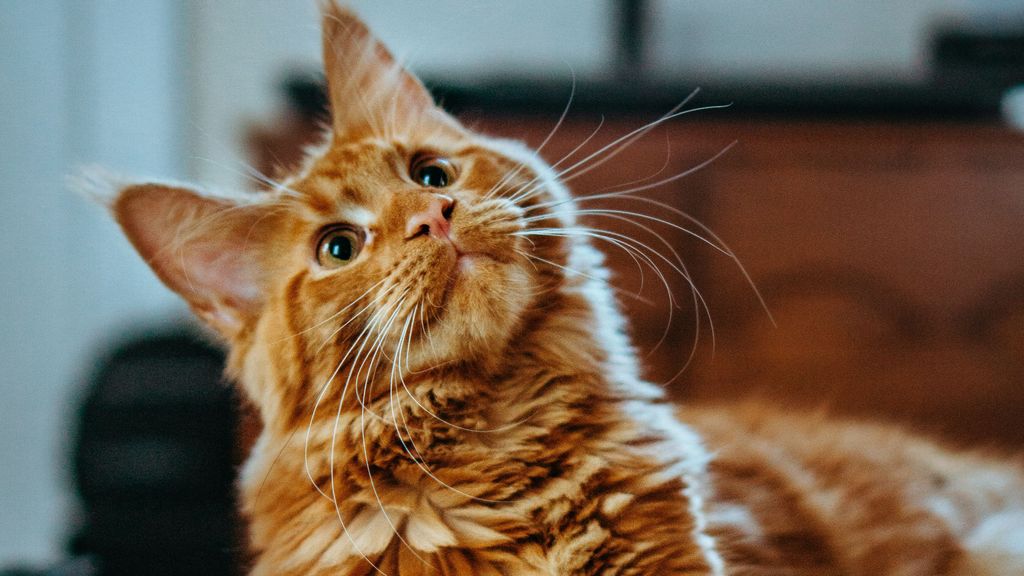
(82, 82)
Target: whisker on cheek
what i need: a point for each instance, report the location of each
(706, 235)
(698, 299)
(358, 361)
(336, 314)
(376, 300)
(359, 341)
(364, 335)
(642, 252)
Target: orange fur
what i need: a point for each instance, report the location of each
(472, 406)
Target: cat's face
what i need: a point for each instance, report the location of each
(401, 241)
(416, 236)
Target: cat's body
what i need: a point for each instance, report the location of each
(446, 387)
(803, 494)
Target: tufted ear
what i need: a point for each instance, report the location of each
(211, 251)
(369, 91)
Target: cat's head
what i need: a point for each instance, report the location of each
(403, 236)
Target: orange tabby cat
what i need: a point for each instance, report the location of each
(446, 387)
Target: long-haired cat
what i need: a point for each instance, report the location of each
(446, 387)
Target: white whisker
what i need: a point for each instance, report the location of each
(366, 453)
(520, 195)
(376, 300)
(536, 152)
(336, 314)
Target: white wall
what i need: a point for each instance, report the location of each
(806, 39)
(32, 112)
(82, 82)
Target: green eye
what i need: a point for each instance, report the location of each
(432, 172)
(338, 247)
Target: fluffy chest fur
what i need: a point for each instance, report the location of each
(539, 468)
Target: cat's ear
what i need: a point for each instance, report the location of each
(211, 251)
(368, 90)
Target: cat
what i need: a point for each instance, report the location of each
(446, 387)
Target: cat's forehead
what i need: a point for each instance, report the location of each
(358, 162)
(350, 175)
(355, 176)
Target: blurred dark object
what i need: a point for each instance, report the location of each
(892, 101)
(278, 149)
(154, 460)
(630, 26)
(75, 567)
(305, 96)
(981, 55)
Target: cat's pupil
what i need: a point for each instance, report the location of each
(340, 248)
(433, 176)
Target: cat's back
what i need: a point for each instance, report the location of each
(805, 494)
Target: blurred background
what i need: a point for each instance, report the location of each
(875, 194)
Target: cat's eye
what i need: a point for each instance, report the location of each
(432, 171)
(338, 246)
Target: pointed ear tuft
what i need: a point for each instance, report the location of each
(97, 184)
(368, 90)
(208, 250)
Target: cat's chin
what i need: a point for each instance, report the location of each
(482, 308)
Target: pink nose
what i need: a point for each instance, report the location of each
(433, 220)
